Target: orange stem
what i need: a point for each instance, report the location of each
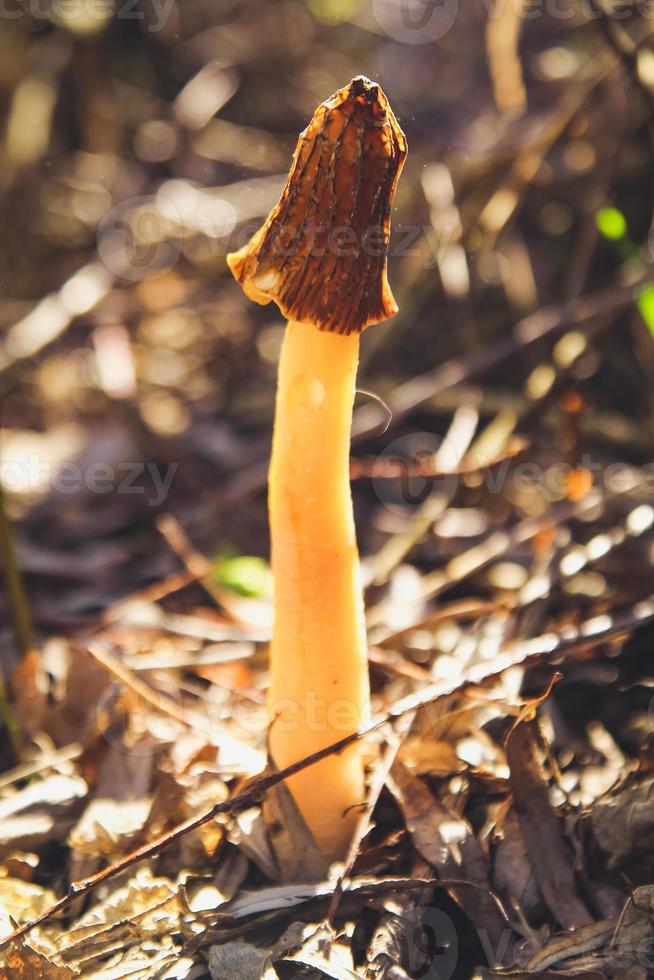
(319, 672)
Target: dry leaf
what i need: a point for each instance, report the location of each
(606, 947)
(447, 843)
(430, 756)
(248, 832)
(317, 949)
(542, 829)
(144, 909)
(41, 812)
(296, 852)
(513, 872)
(24, 963)
(623, 823)
(108, 826)
(21, 900)
(237, 960)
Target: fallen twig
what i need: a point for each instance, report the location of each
(20, 609)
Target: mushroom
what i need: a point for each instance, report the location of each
(321, 256)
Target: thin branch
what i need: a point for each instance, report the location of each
(51, 760)
(14, 581)
(544, 324)
(7, 718)
(526, 653)
(148, 594)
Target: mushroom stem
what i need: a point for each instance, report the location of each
(319, 670)
(321, 256)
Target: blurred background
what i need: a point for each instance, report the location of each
(142, 140)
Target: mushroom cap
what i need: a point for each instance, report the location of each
(321, 253)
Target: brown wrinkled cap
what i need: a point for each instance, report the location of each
(321, 254)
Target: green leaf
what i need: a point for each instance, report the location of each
(245, 574)
(333, 12)
(611, 223)
(646, 306)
